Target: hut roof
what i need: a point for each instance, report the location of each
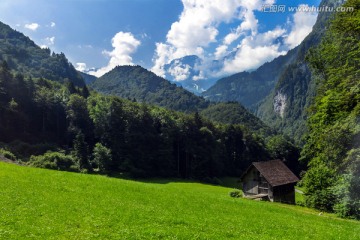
(275, 172)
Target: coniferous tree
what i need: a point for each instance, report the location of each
(81, 152)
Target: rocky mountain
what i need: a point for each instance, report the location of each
(249, 88)
(24, 56)
(279, 91)
(285, 108)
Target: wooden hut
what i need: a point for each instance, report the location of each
(271, 180)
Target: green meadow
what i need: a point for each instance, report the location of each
(45, 204)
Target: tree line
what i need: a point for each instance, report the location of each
(61, 126)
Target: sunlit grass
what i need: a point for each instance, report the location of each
(43, 204)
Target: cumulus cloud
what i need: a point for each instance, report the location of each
(195, 30)
(32, 26)
(81, 67)
(124, 44)
(198, 25)
(302, 26)
(258, 48)
(180, 71)
(52, 24)
(243, 48)
(249, 58)
(253, 51)
(48, 42)
(248, 25)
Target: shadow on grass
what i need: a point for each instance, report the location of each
(230, 182)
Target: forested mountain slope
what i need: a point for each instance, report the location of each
(332, 148)
(234, 113)
(25, 104)
(135, 82)
(24, 56)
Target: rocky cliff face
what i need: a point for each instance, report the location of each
(285, 108)
(280, 104)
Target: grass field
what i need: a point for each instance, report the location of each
(44, 204)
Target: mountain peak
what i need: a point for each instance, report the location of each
(136, 82)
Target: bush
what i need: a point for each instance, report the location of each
(53, 160)
(235, 194)
(7, 154)
(25, 150)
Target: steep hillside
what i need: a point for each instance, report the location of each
(24, 56)
(285, 107)
(135, 82)
(332, 148)
(248, 88)
(47, 204)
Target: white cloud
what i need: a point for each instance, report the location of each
(221, 51)
(249, 24)
(124, 44)
(32, 26)
(52, 24)
(195, 29)
(302, 26)
(86, 46)
(253, 51)
(248, 58)
(198, 25)
(50, 40)
(81, 67)
(47, 42)
(258, 48)
(243, 48)
(180, 71)
(163, 54)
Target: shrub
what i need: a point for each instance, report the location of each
(7, 154)
(236, 193)
(53, 160)
(25, 150)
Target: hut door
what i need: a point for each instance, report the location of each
(263, 185)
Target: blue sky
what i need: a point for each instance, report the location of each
(151, 33)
